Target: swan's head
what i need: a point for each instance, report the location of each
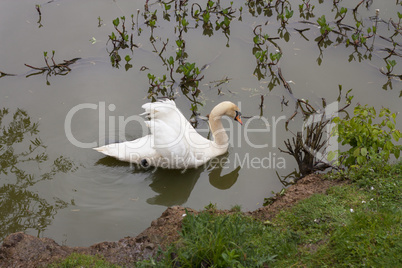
(227, 108)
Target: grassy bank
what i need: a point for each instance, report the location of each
(354, 225)
(357, 224)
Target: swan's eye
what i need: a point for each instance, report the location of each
(144, 163)
(238, 117)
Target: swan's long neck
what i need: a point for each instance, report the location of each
(215, 123)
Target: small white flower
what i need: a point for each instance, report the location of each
(184, 215)
(363, 202)
(372, 188)
(371, 199)
(351, 210)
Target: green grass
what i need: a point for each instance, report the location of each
(344, 228)
(76, 260)
(319, 215)
(353, 225)
(369, 239)
(227, 241)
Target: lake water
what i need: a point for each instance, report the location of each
(54, 185)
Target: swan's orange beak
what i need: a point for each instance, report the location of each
(238, 117)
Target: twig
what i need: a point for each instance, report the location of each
(6, 74)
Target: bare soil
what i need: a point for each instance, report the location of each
(22, 250)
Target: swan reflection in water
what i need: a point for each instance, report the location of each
(173, 187)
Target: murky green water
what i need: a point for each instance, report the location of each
(51, 187)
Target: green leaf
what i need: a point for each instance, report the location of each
(322, 21)
(332, 155)
(396, 135)
(116, 22)
(171, 60)
(206, 16)
(397, 153)
(343, 10)
(256, 39)
(151, 76)
(390, 125)
(289, 14)
(363, 151)
(226, 21)
(386, 154)
(179, 43)
(388, 145)
(356, 152)
(360, 160)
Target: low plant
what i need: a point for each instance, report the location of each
(324, 26)
(369, 239)
(285, 16)
(351, 225)
(366, 138)
(236, 208)
(76, 260)
(210, 240)
(390, 66)
(51, 68)
(315, 218)
(375, 178)
(121, 40)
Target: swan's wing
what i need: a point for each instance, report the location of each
(168, 128)
(164, 110)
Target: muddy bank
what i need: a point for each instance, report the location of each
(22, 250)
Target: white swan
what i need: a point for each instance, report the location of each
(173, 142)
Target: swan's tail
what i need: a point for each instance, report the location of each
(110, 150)
(100, 149)
(130, 151)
